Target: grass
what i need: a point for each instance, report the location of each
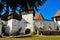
(35, 37)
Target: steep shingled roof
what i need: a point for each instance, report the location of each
(57, 14)
(38, 17)
(11, 15)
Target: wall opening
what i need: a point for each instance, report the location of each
(57, 28)
(27, 31)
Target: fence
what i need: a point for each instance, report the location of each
(49, 32)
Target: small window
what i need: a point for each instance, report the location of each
(49, 26)
(57, 28)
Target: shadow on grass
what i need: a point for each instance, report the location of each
(23, 36)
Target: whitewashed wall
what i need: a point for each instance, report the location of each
(44, 24)
(8, 27)
(27, 22)
(47, 24)
(0, 27)
(57, 24)
(13, 25)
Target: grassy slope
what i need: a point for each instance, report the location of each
(34, 38)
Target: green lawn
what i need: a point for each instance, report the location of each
(40, 37)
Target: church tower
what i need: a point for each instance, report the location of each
(56, 19)
(21, 22)
(12, 22)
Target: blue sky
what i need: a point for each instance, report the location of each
(49, 8)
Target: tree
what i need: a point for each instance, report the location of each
(24, 4)
(1, 8)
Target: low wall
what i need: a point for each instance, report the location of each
(49, 32)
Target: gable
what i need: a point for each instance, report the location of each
(57, 14)
(38, 17)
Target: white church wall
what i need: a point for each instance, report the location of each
(9, 26)
(48, 24)
(23, 25)
(44, 24)
(13, 25)
(38, 23)
(57, 24)
(29, 21)
(0, 27)
(53, 25)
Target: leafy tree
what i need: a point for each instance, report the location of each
(24, 4)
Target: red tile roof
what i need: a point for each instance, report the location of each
(57, 14)
(38, 17)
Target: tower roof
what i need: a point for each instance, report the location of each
(57, 14)
(38, 17)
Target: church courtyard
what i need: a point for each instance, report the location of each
(35, 37)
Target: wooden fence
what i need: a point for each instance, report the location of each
(49, 32)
